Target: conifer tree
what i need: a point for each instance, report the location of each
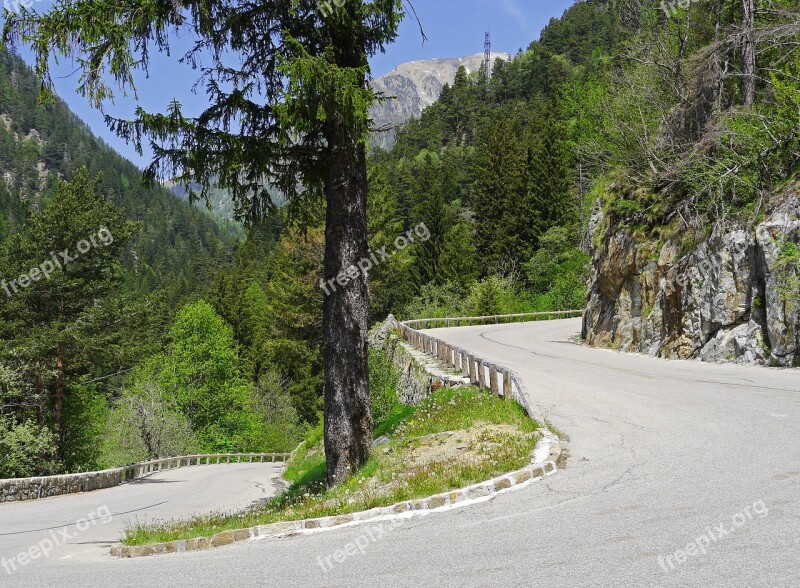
(550, 178)
(499, 200)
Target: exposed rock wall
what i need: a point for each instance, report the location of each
(16, 490)
(733, 298)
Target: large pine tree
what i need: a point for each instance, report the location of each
(288, 100)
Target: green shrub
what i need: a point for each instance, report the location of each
(26, 450)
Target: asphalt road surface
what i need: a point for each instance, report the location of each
(81, 528)
(680, 474)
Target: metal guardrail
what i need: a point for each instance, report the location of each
(18, 489)
(484, 374)
(495, 318)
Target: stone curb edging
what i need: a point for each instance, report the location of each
(543, 464)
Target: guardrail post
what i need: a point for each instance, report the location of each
(481, 374)
(493, 379)
(507, 392)
(472, 375)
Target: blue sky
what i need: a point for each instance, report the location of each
(454, 29)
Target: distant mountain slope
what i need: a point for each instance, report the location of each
(42, 142)
(220, 204)
(413, 86)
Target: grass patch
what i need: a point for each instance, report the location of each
(457, 437)
(556, 431)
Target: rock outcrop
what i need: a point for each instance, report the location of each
(735, 297)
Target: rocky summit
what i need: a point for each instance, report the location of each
(411, 87)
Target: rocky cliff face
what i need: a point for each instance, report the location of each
(735, 297)
(413, 86)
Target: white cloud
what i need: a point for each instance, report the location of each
(515, 12)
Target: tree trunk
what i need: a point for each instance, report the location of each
(38, 386)
(348, 420)
(719, 84)
(58, 411)
(748, 53)
(60, 391)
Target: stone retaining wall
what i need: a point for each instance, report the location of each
(419, 374)
(18, 489)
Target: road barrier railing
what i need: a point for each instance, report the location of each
(19, 489)
(452, 321)
(484, 374)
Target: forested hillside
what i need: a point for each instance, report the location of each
(42, 142)
(492, 169)
(66, 342)
(642, 134)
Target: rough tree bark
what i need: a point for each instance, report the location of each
(348, 420)
(60, 390)
(748, 53)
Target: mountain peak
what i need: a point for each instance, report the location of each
(413, 86)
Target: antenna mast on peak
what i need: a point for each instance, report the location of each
(487, 55)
